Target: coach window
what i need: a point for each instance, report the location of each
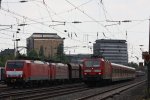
(118, 71)
(113, 71)
(124, 71)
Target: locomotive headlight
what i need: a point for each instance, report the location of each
(97, 70)
(85, 73)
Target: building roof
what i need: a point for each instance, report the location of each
(45, 36)
(110, 41)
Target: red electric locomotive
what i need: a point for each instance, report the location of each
(101, 70)
(32, 73)
(22, 72)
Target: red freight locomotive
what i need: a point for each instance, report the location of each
(30, 72)
(100, 70)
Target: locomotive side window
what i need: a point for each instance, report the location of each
(15, 64)
(92, 63)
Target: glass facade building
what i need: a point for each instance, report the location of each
(112, 50)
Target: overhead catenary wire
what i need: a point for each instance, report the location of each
(72, 9)
(44, 3)
(20, 1)
(73, 27)
(64, 22)
(40, 23)
(86, 14)
(106, 13)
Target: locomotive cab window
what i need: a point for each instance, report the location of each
(92, 63)
(15, 64)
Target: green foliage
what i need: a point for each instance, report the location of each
(60, 49)
(4, 58)
(61, 58)
(32, 54)
(65, 59)
(41, 53)
(132, 64)
(1, 64)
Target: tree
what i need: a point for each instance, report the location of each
(132, 64)
(1, 64)
(4, 58)
(60, 52)
(60, 57)
(60, 49)
(41, 52)
(32, 54)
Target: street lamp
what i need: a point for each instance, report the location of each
(141, 47)
(17, 43)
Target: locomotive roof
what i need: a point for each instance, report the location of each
(19, 60)
(29, 61)
(118, 65)
(102, 59)
(93, 59)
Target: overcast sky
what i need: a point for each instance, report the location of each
(94, 19)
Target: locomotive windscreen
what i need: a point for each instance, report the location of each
(92, 63)
(15, 64)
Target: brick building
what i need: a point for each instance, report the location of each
(49, 43)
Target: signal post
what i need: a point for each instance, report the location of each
(148, 65)
(146, 57)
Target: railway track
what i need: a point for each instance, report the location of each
(50, 94)
(64, 91)
(41, 93)
(109, 93)
(4, 88)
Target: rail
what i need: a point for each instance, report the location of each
(110, 92)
